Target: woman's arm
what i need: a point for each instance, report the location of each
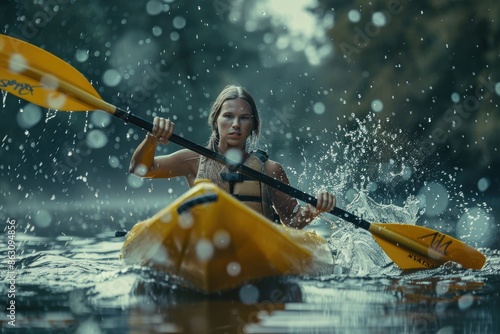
(142, 160)
(290, 211)
(144, 163)
(181, 163)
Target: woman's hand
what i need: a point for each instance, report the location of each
(162, 129)
(325, 202)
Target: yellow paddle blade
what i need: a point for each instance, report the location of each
(418, 247)
(37, 76)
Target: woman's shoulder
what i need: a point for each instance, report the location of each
(274, 168)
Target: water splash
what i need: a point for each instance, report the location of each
(51, 113)
(369, 209)
(4, 98)
(374, 174)
(85, 127)
(358, 253)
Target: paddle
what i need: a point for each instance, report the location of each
(45, 80)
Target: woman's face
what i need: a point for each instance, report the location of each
(235, 124)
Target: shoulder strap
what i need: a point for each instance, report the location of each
(262, 155)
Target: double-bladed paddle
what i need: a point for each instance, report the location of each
(41, 78)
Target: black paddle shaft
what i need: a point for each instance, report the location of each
(256, 175)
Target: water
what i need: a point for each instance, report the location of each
(70, 284)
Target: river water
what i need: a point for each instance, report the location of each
(74, 284)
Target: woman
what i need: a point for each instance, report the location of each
(235, 125)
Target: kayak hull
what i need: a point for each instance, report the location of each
(214, 242)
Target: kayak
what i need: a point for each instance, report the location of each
(213, 242)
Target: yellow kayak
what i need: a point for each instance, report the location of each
(214, 242)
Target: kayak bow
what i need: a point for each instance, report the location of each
(214, 242)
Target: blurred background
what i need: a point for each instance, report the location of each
(394, 99)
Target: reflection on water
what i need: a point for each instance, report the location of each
(78, 285)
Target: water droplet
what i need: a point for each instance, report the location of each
(476, 227)
(442, 287)
(82, 55)
(111, 78)
(483, 184)
(166, 218)
(42, 219)
(465, 301)
(407, 173)
(377, 105)
(50, 82)
(234, 155)
(233, 268)
(221, 239)
(350, 195)
(372, 186)
(379, 19)
(154, 7)
(134, 181)
(434, 197)
(17, 63)
(186, 220)
(174, 36)
(354, 15)
(157, 31)
(179, 22)
(455, 97)
(96, 139)
(56, 100)
(100, 119)
(140, 170)
(319, 108)
(249, 294)
(204, 250)
(29, 116)
(87, 326)
(113, 161)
